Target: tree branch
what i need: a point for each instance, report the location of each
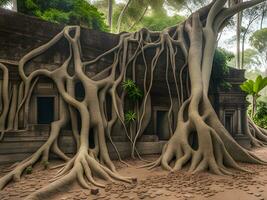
(216, 8)
(229, 12)
(139, 19)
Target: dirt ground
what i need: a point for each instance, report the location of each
(156, 184)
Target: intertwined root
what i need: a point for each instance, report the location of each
(196, 40)
(42, 153)
(210, 153)
(82, 168)
(16, 173)
(257, 135)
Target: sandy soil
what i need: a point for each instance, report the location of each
(156, 184)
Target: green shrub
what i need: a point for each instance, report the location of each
(220, 68)
(130, 117)
(70, 12)
(28, 170)
(260, 118)
(134, 93)
(45, 164)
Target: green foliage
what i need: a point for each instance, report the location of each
(28, 170)
(71, 12)
(45, 164)
(259, 40)
(252, 58)
(220, 67)
(133, 91)
(135, 94)
(55, 16)
(4, 2)
(148, 13)
(130, 117)
(260, 118)
(220, 60)
(128, 84)
(155, 23)
(225, 85)
(254, 87)
(247, 87)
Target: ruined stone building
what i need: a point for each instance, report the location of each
(19, 34)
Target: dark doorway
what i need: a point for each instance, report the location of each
(229, 123)
(91, 138)
(79, 91)
(45, 110)
(162, 125)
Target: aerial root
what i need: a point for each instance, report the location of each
(19, 168)
(58, 166)
(216, 159)
(56, 150)
(257, 135)
(215, 150)
(92, 166)
(41, 154)
(152, 164)
(84, 169)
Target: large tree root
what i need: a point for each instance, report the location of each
(216, 150)
(87, 162)
(257, 134)
(199, 140)
(42, 153)
(82, 168)
(211, 152)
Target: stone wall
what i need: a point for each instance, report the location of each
(19, 34)
(17, 146)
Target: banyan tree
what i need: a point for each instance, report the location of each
(190, 110)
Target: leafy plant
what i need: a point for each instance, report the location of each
(253, 88)
(5, 2)
(221, 58)
(128, 84)
(28, 170)
(130, 117)
(45, 164)
(155, 23)
(71, 12)
(220, 67)
(226, 85)
(135, 94)
(260, 117)
(259, 40)
(133, 91)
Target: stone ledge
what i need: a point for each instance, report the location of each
(20, 146)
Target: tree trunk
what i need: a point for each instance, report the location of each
(195, 40)
(264, 7)
(238, 36)
(14, 5)
(110, 13)
(254, 104)
(121, 15)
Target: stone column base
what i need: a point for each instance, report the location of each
(243, 140)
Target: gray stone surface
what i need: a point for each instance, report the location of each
(19, 34)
